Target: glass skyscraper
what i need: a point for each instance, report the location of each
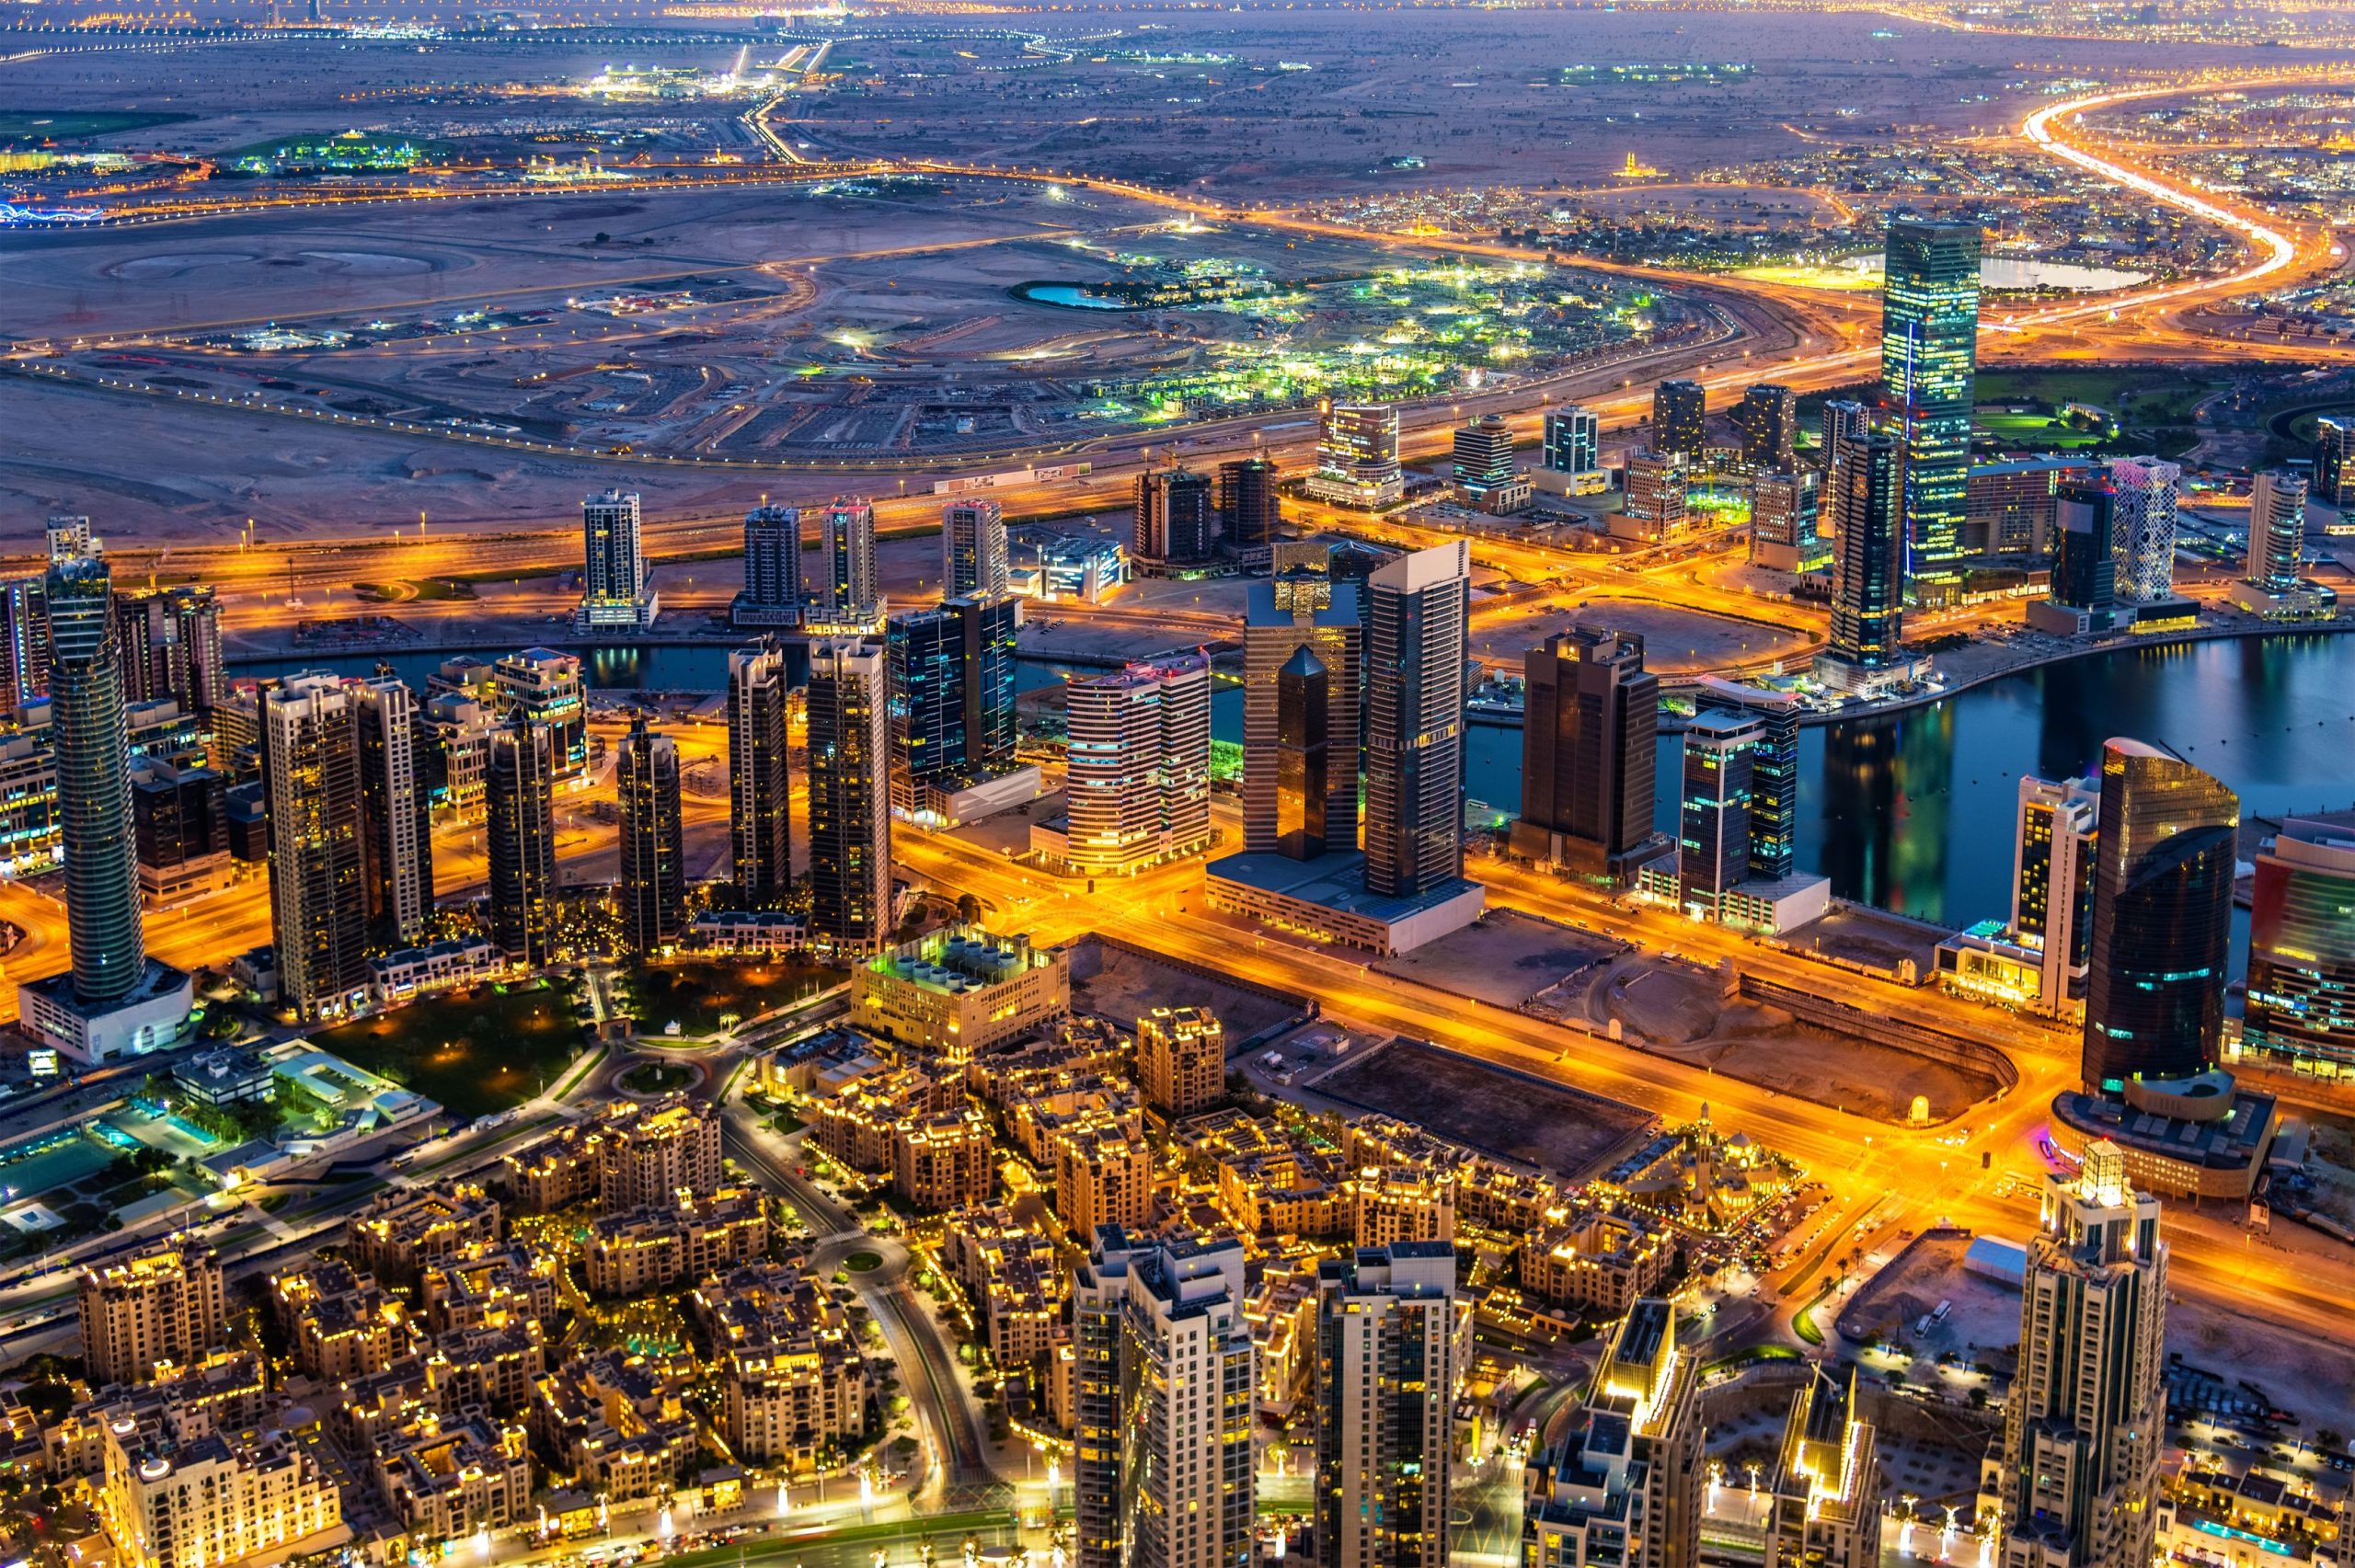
(1867, 506)
(1418, 610)
(92, 783)
(2302, 949)
(1929, 353)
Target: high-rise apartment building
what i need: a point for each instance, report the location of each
(1817, 1502)
(760, 820)
(545, 687)
(1176, 516)
(771, 591)
(162, 1304)
(2277, 531)
(1249, 510)
(1357, 456)
(2078, 1482)
(2333, 461)
(1768, 416)
(1714, 822)
(318, 894)
(1785, 510)
(1929, 359)
(613, 577)
(2085, 564)
(170, 646)
(396, 810)
(1137, 785)
(1483, 463)
(1181, 1060)
(1654, 493)
(1416, 615)
(1839, 421)
(1292, 613)
(26, 649)
(850, 794)
(2302, 949)
(1867, 506)
(653, 844)
(520, 833)
(1679, 419)
(974, 558)
(1572, 441)
(2144, 493)
(987, 629)
(1163, 1385)
(847, 593)
(1588, 744)
(1623, 1486)
(2053, 879)
(1384, 1387)
(924, 649)
(2163, 914)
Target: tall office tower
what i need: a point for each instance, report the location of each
(170, 646)
(1303, 758)
(925, 650)
(161, 1304)
(1174, 517)
(847, 590)
(2077, 1485)
(653, 844)
(2162, 918)
(986, 630)
(1784, 505)
(1655, 493)
(1588, 745)
(1679, 419)
(2277, 531)
(2334, 472)
(1418, 610)
(1713, 824)
(1817, 1502)
(545, 687)
(1163, 1377)
(1773, 780)
(1625, 1485)
(91, 741)
(180, 820)
(972, 549)
(1840, 422)
(1385, 1385)
(1769, 418)
(521, 834)
(2053, 879)
(1181, 1060)
(1291, 611)
(850, 799)
(2302, 949)
(1138, 783)
(1357, 455)
(771, 591)
(27, 650)
(1867, 508)
(760, 811)
(396, 811)
(1249, 510)
(69, 539)
(1929, 359)
(1573, 440)
(2143, 519)
(612, 575)
(318, 901)
(1483, 457)
(2084, 566)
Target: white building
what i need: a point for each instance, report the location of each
(613, 578)
(2142, 521)
(1138, 784)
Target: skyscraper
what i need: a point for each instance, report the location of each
(613, 577)
(2334, 454)
(2163, 914)
(319, 898)
(1839, 421)
(2077, 1483)
(926, 652)
(2277, 531)
(1573, 440)
(520, 833)
(2084, 566)
(1296, 610)
(545, 687)
(653, 848)
(1248, 507)
(1162, 1390)
(1769, 419)
(1417, 610)
(1385, 1385)
(26, 651)
(1714, 823)
(972, 549)
(1679, 419)
(396, 806)
(1866, 505)
(1303, 758)
(1137, 785)
(987, 626)
(2143, 524)
(850, 808)
(2302, 949)
(847, 592)
(1588, 744)
(170, 646)
(771, 591)
(1484, 462)
(760, 814)
(2053, 879)
(1357, 455)
(1174, 517)
(1785, 510)
(1929, 358)
(1625, 1485)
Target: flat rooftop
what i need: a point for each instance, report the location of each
(1335, 881)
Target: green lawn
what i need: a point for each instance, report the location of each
(475, 1051)
(656, 1077)
(696, 995)
(37, 125)
(2036, 429)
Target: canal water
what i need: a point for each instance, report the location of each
(1912, 811)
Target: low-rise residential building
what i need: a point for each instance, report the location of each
(446, 1478)
(796, 1386)
(615, 1423)
(1595, 1260)
(411, 972)
(960, 991)
(944, 1161)
(1401, 1203)
(1103, 1172)
(1181, 1060)
(340, 1324)
(1019, 1292)
(489, 1287)
(690, 1238)
(859, 1127)
(398, 1234)
(207, 1501)
(162, 1306)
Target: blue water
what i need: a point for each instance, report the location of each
(1072, 295)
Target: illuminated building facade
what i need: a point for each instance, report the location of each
(1655, 499)
(1138, 783)
(1572, 441)
(1384, 1386)
(1769, 420)
(1417, 613)
(2053, 880)
(2301, 950)
(2144, 495)
(847, 594)
(1625, 1484)
(1249, 510)
(1839, 421)
(160, 1306)
(170, 646)
(613, 579)
(760, 807)
(2333, 461)
(959, 991)
(1679, 419)
(1588, 742)
(1176, 517)
(519, 835)
(1818, 1503)
(2277, 531)
(1485, 470)
(974, 558)
(653, 844)
(1181, 1060)
(1784, 510)
(1929, 372)
(1866, 505)
(396, 810)
(318, 899)
(1296, 613)
(205, 1501)
(850, 798)
(545, 686)
(944, 1161)
(1357, 456)
(771, 591)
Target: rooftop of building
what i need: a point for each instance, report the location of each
(2230, 1142)
(1335, 881)
(958, 957)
